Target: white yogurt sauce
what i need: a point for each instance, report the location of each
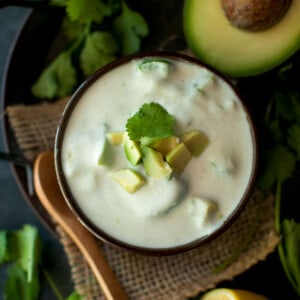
(162, 213)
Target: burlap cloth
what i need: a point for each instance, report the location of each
(173, 277)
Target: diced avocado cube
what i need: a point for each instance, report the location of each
(201, 210)
(102, 153)
(101, 149)
(132, 150)
(154, 164)
(129, 179)
(164, 146)
(179, 157)
(196, 141)
(115, 138)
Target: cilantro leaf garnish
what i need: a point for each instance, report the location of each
(151, 123)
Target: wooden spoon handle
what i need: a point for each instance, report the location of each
(49, 193)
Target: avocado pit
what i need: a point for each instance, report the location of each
(255, 15)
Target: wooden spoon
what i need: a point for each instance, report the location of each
(47, 189)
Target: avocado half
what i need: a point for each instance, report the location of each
(236, 52)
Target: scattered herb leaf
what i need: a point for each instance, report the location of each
(290, 252)
(282, 120)
(88, 11)
(3, 246)
(22, 249)
(293, 139)
(18, 287)
(74, 296)
(279, 164)
(57, 80)
(98, 31)
(72, 29)
(130, 27)
(99, 49)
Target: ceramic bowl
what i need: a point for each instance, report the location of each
(69, 187)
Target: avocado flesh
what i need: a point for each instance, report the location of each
(236, 52)
(164, 146)
(154, 164)
(132, 150)
(179, 157)
(196, 141)
(130, 180)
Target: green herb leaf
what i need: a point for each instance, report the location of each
(130, 27)
(74, 296)
(279, 163)
(99, 49)
(3, 247)
(152, 122)
(293, 139)
(291, 250)
(90, 48)
(72, 29)
(24, 247)
(57, 80)
(286, 105)
(17, 285)
(85, 11)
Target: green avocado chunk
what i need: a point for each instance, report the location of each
(234, 51)
(196, 141)
(129, 179)
(179, 157)
(132, 150)
(154, 164)
(164, 146)
(115, 138)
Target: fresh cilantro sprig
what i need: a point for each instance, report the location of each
(22, 250)
(129, 28)
(151, 123)
(280, 162)
(99, 31)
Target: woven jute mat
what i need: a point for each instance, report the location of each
(174, 277)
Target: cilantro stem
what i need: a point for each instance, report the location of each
(52, 285)
(277, 216)
(78, 41)
(280, 247)
(285, 266)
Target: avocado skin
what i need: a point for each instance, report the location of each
(234, 52)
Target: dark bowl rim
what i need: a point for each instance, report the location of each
(66, 191)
